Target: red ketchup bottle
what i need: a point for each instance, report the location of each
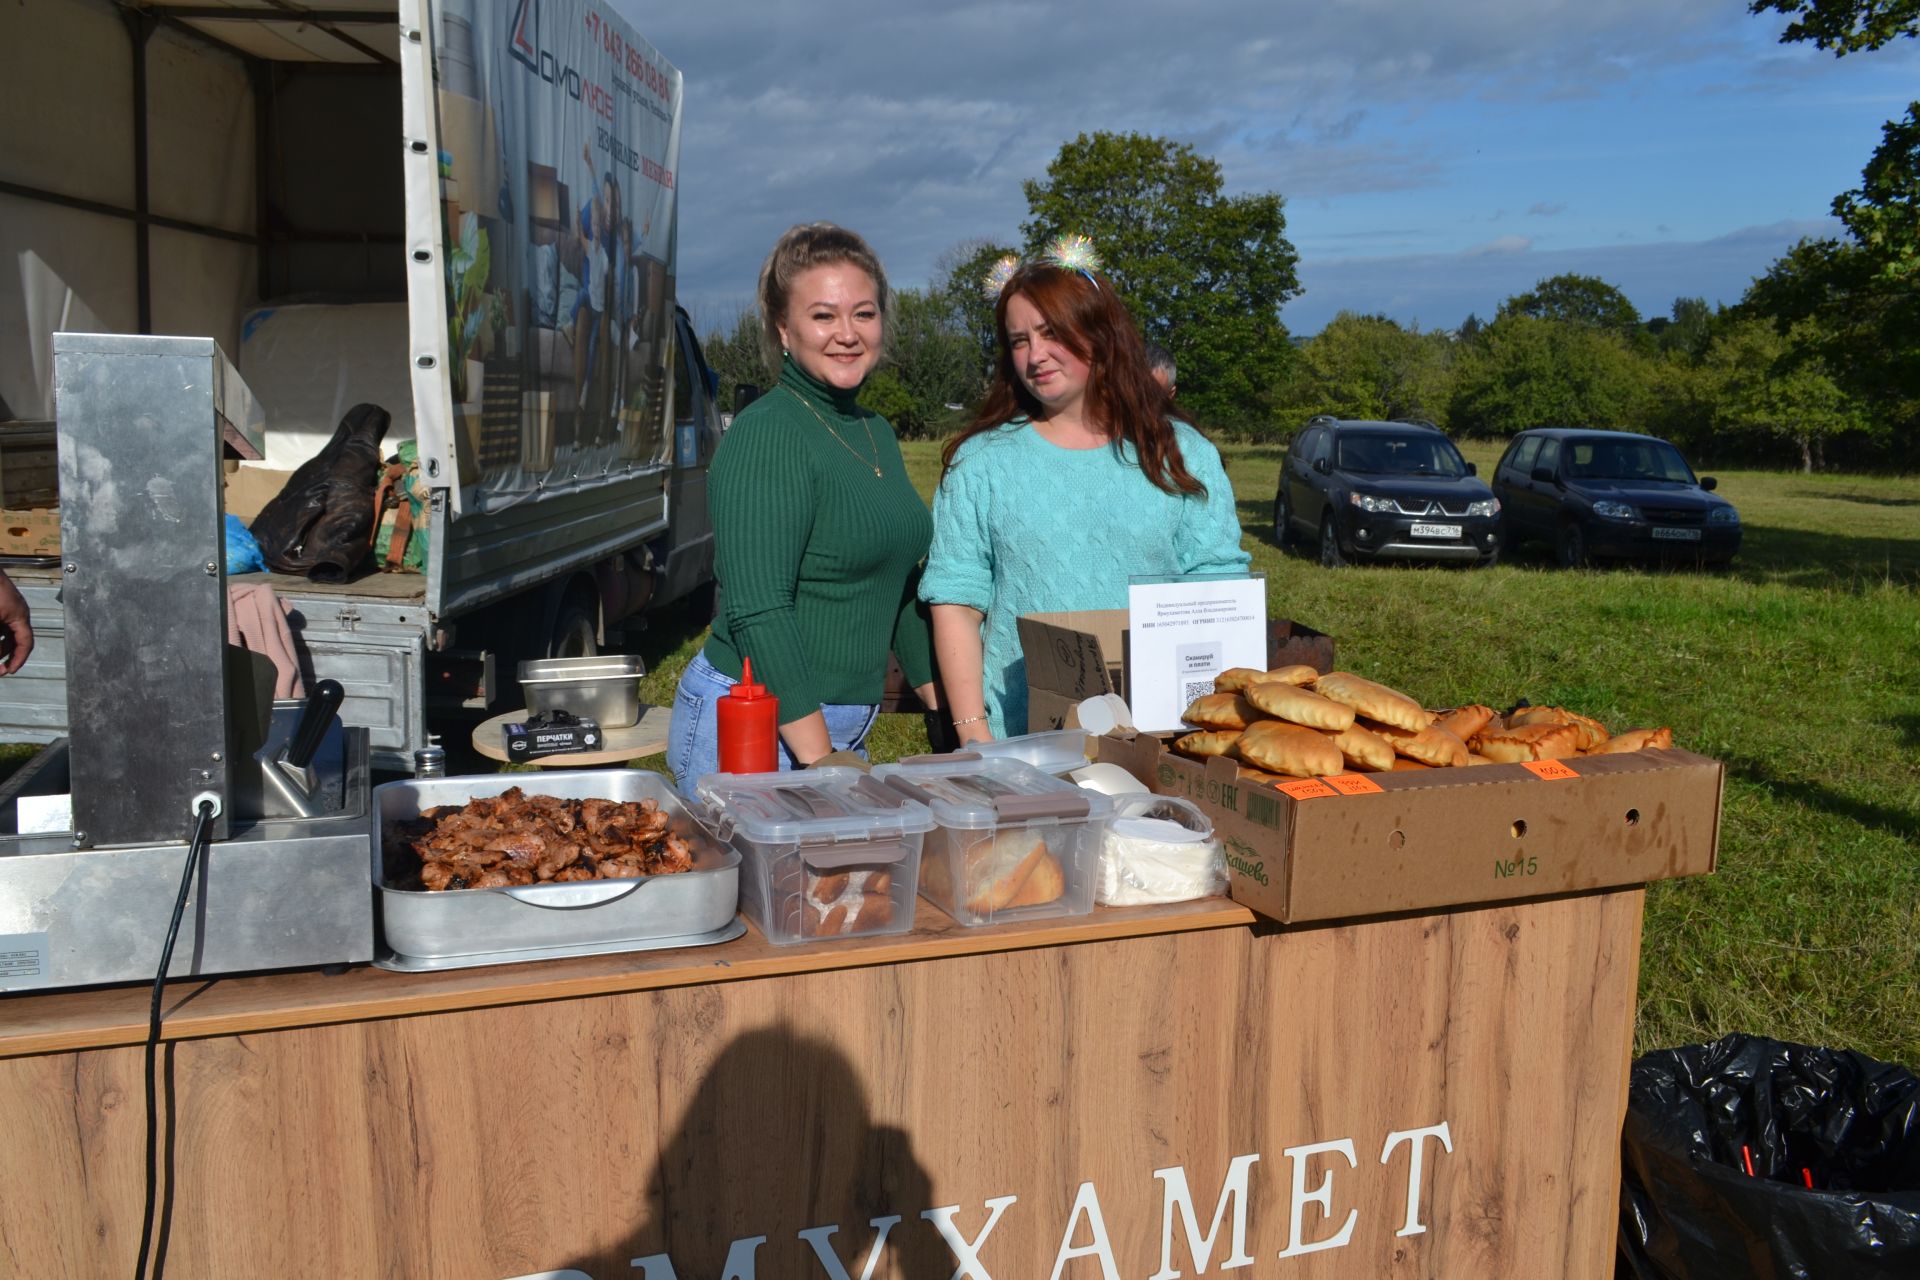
(749, 720)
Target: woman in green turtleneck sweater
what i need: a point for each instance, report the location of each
(818, 533)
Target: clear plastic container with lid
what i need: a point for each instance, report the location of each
(825, 853)
(1009, 842)
(1056, 751)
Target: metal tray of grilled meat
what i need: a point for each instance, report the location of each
(486, 926)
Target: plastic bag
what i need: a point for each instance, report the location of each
(243, 551)
(1159, 849)
(1840, 1120)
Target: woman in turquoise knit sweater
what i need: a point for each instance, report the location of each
(1075, 475)
(818, 533)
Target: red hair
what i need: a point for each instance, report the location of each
(1123, 397)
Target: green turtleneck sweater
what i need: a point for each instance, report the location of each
(818, 559)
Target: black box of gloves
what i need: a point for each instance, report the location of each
(552, 733)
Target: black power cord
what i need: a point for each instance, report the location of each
(202, 832)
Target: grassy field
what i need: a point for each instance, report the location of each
(1799, 668)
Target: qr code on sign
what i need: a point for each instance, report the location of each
(1197, 689)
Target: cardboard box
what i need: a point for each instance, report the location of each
(527, 742)
(1368, 844)
(1073, 656)
(250, 489)
(29, 466)
(30, 533)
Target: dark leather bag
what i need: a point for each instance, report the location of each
(321, 523)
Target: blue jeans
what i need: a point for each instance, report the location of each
(693, 739)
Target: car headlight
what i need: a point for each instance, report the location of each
(1614, 510)
(1367, 502)
(1724, 515)
(1491, 507)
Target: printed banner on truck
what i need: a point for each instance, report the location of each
(559, 146)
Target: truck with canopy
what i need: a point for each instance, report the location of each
(463, 211)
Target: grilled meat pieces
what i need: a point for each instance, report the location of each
(513, 838)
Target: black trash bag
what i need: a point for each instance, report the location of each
(321, 523)
(1688, 1210)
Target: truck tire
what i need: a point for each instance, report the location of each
(576, 627)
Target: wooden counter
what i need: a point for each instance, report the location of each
(1051, 1095)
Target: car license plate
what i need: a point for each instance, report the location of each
(1677, 535)
(1436, 531)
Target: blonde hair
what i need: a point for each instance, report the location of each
(800, 250)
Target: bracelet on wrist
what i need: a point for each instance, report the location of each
(969, 720)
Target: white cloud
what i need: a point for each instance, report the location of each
(1500, 245)
(1440, 290)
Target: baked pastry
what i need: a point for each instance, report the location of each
(1009, 869)
(1474, 757)
(1234, 679)
(1635, 740)
(1285, 702)
(1365, 748)
(1374, 701)
(1592, 732)
(1431, 745)
(1207, 742)
(1220, 711)
(1247, 773)
(1528, 742)
(837, 903)
(1278, 747)
(1464, 722)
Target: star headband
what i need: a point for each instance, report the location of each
(1069, 253)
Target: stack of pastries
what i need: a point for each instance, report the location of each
(1293, 722)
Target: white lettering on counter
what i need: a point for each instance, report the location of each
(967, 1252)
(1321, 1195)
(1238, 1194)
(1086, 1201)
(1200, 1248)
(818, 1237)
(1414, 1226)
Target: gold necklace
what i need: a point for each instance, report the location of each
(873, 462)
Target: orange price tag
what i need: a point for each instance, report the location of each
(1353, 784)
(1308, 789)
(1551, 770)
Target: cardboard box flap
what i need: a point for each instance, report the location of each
(1076, 654)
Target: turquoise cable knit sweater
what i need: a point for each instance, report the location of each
(1024, 526)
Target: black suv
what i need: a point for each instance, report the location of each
(1384, 490)
(1611, 493)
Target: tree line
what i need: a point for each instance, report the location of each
(1817, 365)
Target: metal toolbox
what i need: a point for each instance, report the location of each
(604, 689)
(452, 928)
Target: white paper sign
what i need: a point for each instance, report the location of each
(40, 814)
(1182, 632)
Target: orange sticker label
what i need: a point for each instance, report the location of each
(1551, 770)
(1308, 789)
(1353, 784)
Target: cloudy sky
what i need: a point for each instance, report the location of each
(1435, 158)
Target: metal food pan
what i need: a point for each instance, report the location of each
(605, 689)
(422, 924)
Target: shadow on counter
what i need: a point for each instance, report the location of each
(779, 1141)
